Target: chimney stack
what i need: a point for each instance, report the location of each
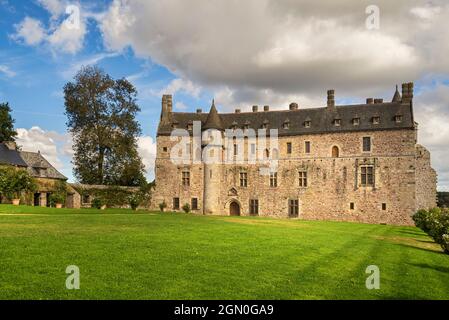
(293, 106)
(255, 108)
(369, 100)
(266, 108)
(407, 92)
(331, 98)
(11, 145)
(237, 110)
(378, 100)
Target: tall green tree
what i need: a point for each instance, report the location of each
(7, 132)
(101, 115)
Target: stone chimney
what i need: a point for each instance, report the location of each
(331, 98)
(266, 108)
(11, 145)
(237, 110)
(199, 110)
(255, 108)
(369, 100)
(167, 106)
(378, 101)
(407, 92)
(293, 106)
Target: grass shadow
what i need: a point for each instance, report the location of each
(431, 267)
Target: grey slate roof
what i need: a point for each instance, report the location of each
(34, 162)
(11, 157)
(322, 119)
(213, 120)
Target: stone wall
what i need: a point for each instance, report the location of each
(333, 183)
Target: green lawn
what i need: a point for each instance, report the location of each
(126, 255)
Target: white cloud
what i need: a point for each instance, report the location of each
(92, 60)
(147, 150)
(180, 106)
(180, 85)
(432, 114)
(52, 145)
(286, 47)
(7, 71)
(66, 31)
(30, 31)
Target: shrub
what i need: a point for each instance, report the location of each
(186, 208)
(13, 182)
(60, 194)
(56, 198)
(162, 206)
(435, 223)
(134, 200)
(97, 203)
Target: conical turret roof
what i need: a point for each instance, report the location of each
(213, 119)
(397, 96)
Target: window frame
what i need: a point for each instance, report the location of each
(370, 140)
(293, 208)
(367, 177)
(192, 202)
(254, 207)
(185, 178)
(243, 175)
(289, 148)
(302, 179)
(307, 147)
(176, 203)
(273, 179)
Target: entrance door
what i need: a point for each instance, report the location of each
(36, 199)
(234, 209)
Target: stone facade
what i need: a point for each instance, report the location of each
(337, 179)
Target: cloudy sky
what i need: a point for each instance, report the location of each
(239, 52)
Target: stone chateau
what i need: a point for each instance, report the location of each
(350, 163)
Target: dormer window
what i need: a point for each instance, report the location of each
(234, 125)
(376, 120)
(398, 118)
(175, 124)
(356, 121)
(286, 124)
(337, 122)
(265, 124)
(307, 123)
(190, 126)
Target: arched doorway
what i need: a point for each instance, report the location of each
(335, 152)
(234, 209)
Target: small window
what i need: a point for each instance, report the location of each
(175, 203)
(356, 121)
(307, 124)
(273, 179)
(335, 152)
(289, 147)
(398, 118)
(293, 208)
(303, 179)
(189, 126)
(366, 144)
(254, 207)
(267, 154)
(307, 146)
(186, 178)
(236, 149)
(376, 120)
(165, 149)
(384, 206)
(86, 198)
(286, 125)
(367, 176)
(337, 122)
(253, 148)
(243, 179)
(194, 203)
(351, 206)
